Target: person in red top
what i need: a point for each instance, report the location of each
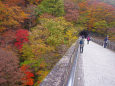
(88, 39)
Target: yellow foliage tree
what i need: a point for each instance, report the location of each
(10, 16)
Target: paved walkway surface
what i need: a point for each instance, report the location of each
(97, 66)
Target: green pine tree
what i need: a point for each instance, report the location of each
(54, 7)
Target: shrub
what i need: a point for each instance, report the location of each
(26, 51)
(58, 29)
(10, 74)
(21, 37)
(27, 79)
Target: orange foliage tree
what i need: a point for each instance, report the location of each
(34, 1)
(13, 2)
(96, 11)
(11, 15)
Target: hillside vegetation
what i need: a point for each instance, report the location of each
(35, 34)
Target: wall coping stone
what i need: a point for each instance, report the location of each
(60, 73)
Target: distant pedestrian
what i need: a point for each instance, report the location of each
(105, 42)
(81, 44)
(88, 39)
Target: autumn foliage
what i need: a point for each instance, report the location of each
(53, 7)
(27, 78)
(71, 11)
(10, 74)
(13, 2)
(53, 26)
(21, 37)
(96, 16)
(11, 16)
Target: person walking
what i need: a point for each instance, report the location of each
(88, 39)
(81, 44)
(105, 42)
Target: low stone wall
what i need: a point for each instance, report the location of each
(110, 45)
(61, 71)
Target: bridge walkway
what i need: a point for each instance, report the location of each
(96, 66)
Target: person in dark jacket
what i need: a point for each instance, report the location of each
(81, 44)
(105, 42)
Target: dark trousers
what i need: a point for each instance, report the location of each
(87, 41)
(105, 45)
(81, 49)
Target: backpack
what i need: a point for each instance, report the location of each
(81, 41)
(88, 38)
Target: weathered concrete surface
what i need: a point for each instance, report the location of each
(60, 73)
(79, 80)
(98, 65)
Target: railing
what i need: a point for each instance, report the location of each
(62, 72)
(71, 78)
(110, 45)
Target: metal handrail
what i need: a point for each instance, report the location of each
(62, 70)
(73, 71)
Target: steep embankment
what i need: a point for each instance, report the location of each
(38, 33)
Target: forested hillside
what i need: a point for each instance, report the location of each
(35, 34)
(112, 2)
(97, 17)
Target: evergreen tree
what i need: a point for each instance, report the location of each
(54, 7)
